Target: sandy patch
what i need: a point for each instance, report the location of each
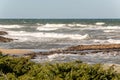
(15, 51)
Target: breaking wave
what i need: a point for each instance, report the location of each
(11, 26)
(107, 31)
(32, 35)
(107, 41)
(46, 28)
(49, 27)
(99, 23)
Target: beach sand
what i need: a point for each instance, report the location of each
(116, 67)
(15, 51)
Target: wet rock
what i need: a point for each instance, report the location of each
(31, 55)
(113, 49)
(94, 47)
(4, 39)
(3, 33)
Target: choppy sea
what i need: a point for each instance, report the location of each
(49, 34)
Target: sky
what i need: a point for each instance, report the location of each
(60, 9)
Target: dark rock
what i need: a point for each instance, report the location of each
(3, 33)
(4, 39)
(114, 49)
(94, 47)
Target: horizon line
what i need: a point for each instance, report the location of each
(59, 18)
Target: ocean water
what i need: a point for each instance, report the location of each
(50, 34)
(46, 34)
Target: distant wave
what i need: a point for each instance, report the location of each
(11, 26)
(49, 27)
(111, 27)
(46, 28)
(94, 27)
(100, 23)
(77, 25)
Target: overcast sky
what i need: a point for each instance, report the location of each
(59, 8)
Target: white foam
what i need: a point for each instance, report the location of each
(104, 28)
(54, 56)
(24, 36)
(109, 27)
(46, 28)
(62, 57)
(113, 41)
(78, 25)
(108, 31)
(100, 41)
(107, 41)
(53, 25)
(99, 23)
(49, 27)
(71, 25)
(11, 26)
(81, 25)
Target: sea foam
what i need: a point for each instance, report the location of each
(33, 35)
(49, 27)
(99, 23)
(107, 41)
(11, 26)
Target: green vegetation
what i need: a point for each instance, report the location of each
(12, 68)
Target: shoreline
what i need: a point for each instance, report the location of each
(84, 49)
(79, 49)
(15, 51)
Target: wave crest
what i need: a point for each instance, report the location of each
(30, 36)
(10, 26)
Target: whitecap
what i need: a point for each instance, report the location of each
(81, 25)
(77, 25)
(99, 23)
(62, 57)
(49, 27)
(36, 36)
(11, 26)
(54, 25)
(112, 27)
(113, 41)
(108, 31)
(100, 41)
(108, 27)
(46, 28)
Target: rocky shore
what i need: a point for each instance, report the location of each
(94, 47)
(4, 39)
(3, 33)
(113, 49)
(11, 51)
(79, 49)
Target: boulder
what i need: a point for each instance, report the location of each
(4, 39)
(3, 33)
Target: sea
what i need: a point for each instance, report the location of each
(51, 34)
